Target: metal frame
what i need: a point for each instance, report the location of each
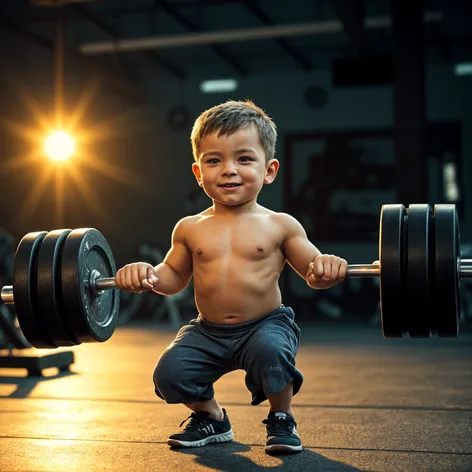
(349, 19)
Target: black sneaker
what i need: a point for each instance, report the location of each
(202, 430)
(282, 436)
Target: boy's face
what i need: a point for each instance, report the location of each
(239, 160)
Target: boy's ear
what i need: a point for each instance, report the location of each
(271, 171)
(197, 173)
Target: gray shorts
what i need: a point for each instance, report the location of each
(202, 352)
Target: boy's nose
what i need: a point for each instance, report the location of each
(229, 170)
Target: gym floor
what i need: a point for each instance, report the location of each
(367, 404)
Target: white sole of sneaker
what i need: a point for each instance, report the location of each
(217, 438)
(283, 448)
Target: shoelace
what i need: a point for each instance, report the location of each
(278, 427)
(194, 422)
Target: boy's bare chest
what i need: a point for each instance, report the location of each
(212, 241)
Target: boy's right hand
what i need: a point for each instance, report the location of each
(137, 277)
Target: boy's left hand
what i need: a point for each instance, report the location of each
(326, 271)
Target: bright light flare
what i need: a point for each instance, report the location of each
(59, 146)
(52, 139)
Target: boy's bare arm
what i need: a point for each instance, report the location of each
(176, 271)
(169, 277)
(298, 250)
(320, 271)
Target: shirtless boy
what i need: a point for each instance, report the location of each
(235, 250)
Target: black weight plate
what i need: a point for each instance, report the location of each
(392, 264)
(94, 318)
(24, 290)
(418, 272)
(48, 285)
(446, 277)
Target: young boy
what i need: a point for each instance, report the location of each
(235, 250)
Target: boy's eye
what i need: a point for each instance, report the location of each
(212, 161)
(245, 158)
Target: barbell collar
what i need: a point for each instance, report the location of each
(465, 268)
(105, 284)
(7, 295)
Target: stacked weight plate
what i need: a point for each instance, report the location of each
(419, 256)
(51, 286)
(447, 254)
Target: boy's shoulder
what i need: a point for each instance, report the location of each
(189, 220)
(264, 211)
(284, 221)
(288, 224)
(281, 217)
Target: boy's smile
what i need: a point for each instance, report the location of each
(232, 168)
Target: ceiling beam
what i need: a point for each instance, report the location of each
(220, 51)
(302, 61)
(116, 33)
(242, 34)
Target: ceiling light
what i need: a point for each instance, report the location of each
(218, 86)
(463, 68)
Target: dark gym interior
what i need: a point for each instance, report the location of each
(372, 100)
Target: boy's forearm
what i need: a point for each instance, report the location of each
(169, 280)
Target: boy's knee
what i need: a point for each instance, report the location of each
(166, 377)
(175, 382)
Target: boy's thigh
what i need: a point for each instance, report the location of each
(268, 355)
(279, 337)
(196, 356)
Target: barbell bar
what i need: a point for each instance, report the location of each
(366, 271)
(358, 271)
(63, 280)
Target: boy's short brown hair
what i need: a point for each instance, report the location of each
(231, 116)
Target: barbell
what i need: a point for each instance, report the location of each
(63, 280)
